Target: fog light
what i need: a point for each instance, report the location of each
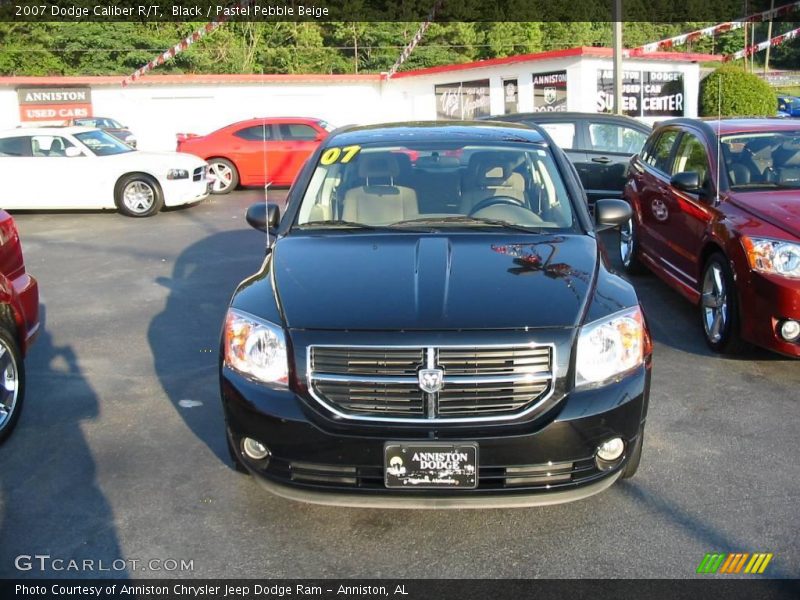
(255, 449)
(611, 450)
(790, 330)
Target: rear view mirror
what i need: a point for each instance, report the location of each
(686, 181)
(611, 213)
(263, 216)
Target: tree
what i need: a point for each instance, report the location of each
(730, 91)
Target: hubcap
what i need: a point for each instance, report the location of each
(223, 176)
(8, 385)
(139, 196)
(714, 303)
(626, 242)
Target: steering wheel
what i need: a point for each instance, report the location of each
(493, 201)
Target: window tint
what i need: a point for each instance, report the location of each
(15, 146)
(609, 137)
(49, 145)
(257, 133)
(657, 155)
(297, 131)
(691, 156)
(563, 134)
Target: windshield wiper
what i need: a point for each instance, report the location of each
(465, 220)
(335, 224)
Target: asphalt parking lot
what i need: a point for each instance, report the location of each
(120, 451)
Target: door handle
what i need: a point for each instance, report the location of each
(603, 160)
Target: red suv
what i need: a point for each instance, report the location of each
(257, 151)
(717, 216)
(19, 323)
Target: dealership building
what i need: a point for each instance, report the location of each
(157, 107)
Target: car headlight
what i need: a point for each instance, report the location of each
(773, 256)
(256, 348)
(177, 174)
(611, 347)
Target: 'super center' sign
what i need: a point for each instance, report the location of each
(54, 104)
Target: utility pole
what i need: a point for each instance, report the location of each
(617, 42)
(769, 37)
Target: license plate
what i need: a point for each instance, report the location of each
(430, 466)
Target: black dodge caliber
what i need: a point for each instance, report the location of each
(434, 325)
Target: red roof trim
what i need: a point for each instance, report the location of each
(588, 51)
(183, 79)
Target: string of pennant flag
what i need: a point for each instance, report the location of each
(714, 30)
(660, 45)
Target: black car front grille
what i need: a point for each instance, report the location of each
(475, 382)
(198, 174)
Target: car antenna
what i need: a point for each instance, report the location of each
(719, 141)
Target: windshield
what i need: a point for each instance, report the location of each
(446, 185)
(102, 144)
(98, 122)
(762, 160)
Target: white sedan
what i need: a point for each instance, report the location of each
(85, 168)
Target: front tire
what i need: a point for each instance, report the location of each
(226, 177)
(139, 195)
(719, 306)
(629, 249)
(12, 382)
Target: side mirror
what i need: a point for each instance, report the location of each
(72, 152)
(686, 181)
(611, 213)
(263, 217)
(321, 136)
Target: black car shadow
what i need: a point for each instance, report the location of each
(48, 482)
(184, 337)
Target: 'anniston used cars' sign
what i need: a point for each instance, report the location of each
(54, 104)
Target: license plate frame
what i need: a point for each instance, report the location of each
(443, 465)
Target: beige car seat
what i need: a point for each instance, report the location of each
(490, 175)
(379, 203)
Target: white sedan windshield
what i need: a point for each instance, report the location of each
(102, 144)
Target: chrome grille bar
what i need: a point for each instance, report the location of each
(480, 383)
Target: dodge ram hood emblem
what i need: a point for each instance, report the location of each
(430, 380)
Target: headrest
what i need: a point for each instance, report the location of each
(481, 163)
(380, 165)
(787, 157)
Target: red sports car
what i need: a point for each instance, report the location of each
(717, 216)
(256, 152)
(19, 323)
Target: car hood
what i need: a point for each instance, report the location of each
(399, 281)
(780, 208)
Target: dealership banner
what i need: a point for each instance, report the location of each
(465, 100)
(644, 93)
(54, 104)
(550, 91)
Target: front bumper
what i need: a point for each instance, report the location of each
(320, 459)
(766, 302)
(178, 192)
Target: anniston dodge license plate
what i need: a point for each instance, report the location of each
(425, 466)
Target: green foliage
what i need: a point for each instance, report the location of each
(85, 48)
(730, 91)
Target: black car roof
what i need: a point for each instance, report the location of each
(563, 116)
(435, 131)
